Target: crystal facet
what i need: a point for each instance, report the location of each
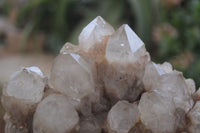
(24, 90)
(94, 36)
(55, 115)
(122, 117)
(170, 100)
(125, 64)
(124, 45)
(72, 76)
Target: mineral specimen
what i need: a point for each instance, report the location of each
(106, 84)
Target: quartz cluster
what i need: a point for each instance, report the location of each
(106, 84)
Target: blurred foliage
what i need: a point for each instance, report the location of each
(63, 20)
(4, 7)
(169, 28)
(182, 39)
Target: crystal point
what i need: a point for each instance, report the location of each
(69, 48)
(94, 34)
(126, 57)
(123, 44)
(24, 91)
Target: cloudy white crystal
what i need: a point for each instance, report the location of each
(24, 91)
(125, 64)
(163, 108)
(94, 34)
(122, 117)
(26, 84)
(123, 45)
(69, 48)
(72, 76)
(55, 115)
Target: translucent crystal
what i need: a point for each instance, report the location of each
(194, 116)
(24, 90)
(73, 76)
(167, 67)
(26, 84)
(126, 56)
(153, 73)
(55, 115)
(124, 45)
(191, 86)
(94, 35)
(69, 48)
(157, 112)
(170, 100)
(122, 117)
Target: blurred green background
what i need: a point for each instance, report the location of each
(169, 28)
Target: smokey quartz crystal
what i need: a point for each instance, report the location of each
(105, 84)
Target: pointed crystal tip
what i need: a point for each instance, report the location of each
(94, 33)
(69, 48)
(124, 43)
(134, 40)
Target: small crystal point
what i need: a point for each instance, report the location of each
(69, 48)
(153, 73)
(166, 66)
(55, 115)
(191, 86)
(24, 90)
(123, 45)
(73, 76)
(122, 117)
(26, 84)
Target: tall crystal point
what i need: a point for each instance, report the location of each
(73, 76)
(126, 57)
